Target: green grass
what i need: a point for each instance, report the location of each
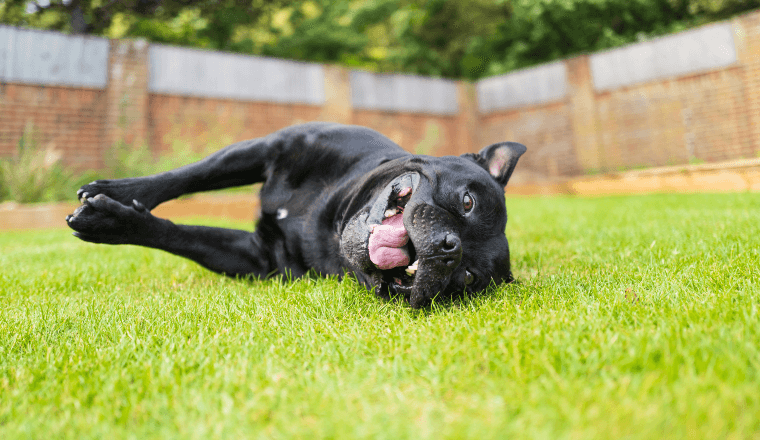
(636, 317)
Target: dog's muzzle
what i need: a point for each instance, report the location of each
(403, 243)
(433, 232)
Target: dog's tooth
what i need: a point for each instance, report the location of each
(405, 191)
(390, 212)
(412, 268)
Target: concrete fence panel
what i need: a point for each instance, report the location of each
(51, 58)
(537, 85)
(403, 93)
(694, 51)
(193, 72)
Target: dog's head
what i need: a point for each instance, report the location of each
(421, 225)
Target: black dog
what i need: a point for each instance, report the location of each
(335, 199)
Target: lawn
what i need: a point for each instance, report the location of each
(634, 317)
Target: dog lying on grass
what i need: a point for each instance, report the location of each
(334, 199)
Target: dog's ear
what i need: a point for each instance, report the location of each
(499, 159)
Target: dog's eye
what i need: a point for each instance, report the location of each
(467, 202)
(469, 278)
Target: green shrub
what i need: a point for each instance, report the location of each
(125, 160)
(34, 174)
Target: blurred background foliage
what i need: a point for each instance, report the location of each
(466, 39)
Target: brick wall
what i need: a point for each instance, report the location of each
(416, 133)
(545, 130)
(70, 120)
(200, 123)
(574, 117)
(694, 112)
(703, 118)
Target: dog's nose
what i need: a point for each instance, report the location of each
(451, 246)
(451, 243)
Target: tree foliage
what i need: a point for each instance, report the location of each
(449, 38)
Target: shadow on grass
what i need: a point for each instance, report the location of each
(514, 293)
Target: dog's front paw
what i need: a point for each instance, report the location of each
(101, 219)
(120, 190)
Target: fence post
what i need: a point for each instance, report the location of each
(582, 111)
(337, 106)
(127, 94)
(747, 41)
(467, 120)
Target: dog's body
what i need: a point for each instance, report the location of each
(335, 199)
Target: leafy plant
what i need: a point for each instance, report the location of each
(124, 160)
(34, 174)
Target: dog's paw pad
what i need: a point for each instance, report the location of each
(101, 219)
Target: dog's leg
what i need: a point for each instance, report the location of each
(101, 219)
(238, 164)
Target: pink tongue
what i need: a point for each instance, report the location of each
(386, 243)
